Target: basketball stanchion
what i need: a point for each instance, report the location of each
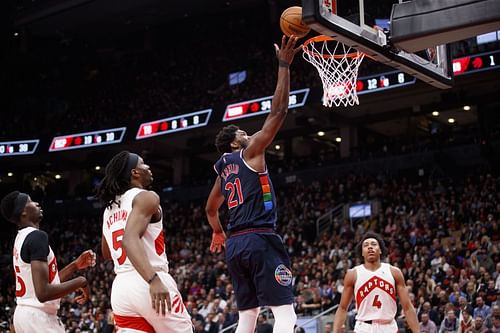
(337, 65)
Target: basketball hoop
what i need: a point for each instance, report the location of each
(337, 66)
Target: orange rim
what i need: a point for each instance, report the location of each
(324, 38)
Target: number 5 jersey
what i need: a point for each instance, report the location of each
(113, 228)
(33, 244)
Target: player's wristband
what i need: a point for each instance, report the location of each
(152, 278)
(283, 63)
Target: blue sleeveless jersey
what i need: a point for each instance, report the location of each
(249, 194)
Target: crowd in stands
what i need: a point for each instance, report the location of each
(444, 235)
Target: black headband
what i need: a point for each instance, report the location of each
(19, 204)
(132, 161)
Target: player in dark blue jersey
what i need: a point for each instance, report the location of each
(256, 257)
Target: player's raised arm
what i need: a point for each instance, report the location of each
(404, 298)
(345, 300)
(279, 107)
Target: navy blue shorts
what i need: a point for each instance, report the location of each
(260, 270)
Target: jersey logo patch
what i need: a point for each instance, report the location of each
(283, 275)
(52, 269)
(371, 284)
(178, 305)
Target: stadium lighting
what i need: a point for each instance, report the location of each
(466, 107)
(321, 133)
(338, 139)
(58, 176)
(10, 174)
(451, 120)
(97, 167)
(435, 113)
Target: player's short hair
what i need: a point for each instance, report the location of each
(225, 137)
(115, 181)
(380, 240)
(8, 207)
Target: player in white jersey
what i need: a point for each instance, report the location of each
(39, 284)
(144, 296)
(375, 286)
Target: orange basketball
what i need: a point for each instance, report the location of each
(291, 22)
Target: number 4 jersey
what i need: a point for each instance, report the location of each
(249, 194)
(113, 228)
(375, 293)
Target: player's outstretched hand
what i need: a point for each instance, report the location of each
(287, 51)
(218, 241)
(160, 297)
(86, 259)
(84, 291)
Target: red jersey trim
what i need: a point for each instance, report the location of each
(136, 323)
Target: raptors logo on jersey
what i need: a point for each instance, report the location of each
(375, 294)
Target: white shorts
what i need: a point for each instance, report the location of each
(28, 319)
(362, 327)
(132, 308)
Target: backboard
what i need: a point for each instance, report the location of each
(351, 27)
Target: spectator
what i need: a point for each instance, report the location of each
(481, 309)
(450, 323)
(263, 325)
(426, 324)
(466, 322)
(478, 326)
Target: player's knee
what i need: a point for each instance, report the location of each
(284, 314)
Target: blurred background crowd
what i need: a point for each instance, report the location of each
(444, 235)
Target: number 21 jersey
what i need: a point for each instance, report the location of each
(375, 293)
(249, 194)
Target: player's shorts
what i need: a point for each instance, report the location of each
(374, 327)
(28, 319)
(260, 269)
(132, 309)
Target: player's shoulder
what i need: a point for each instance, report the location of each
(146, 198)
(351, 275)
(37, 235)
(395, 271)
(36, 238)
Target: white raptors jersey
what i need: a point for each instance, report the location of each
(25, 291)
(113, 228)
(375, 293)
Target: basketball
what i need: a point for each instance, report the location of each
(291, 22)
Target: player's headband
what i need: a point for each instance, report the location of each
(19, 204)
(132, 161)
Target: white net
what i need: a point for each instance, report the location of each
(337, 66)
